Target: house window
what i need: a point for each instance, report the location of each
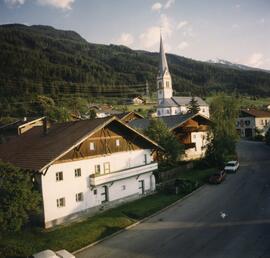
(160, 85)
(203, 110)
(194, 136)
(247, 122)
(266, 122)
(261, 122)
(97, 169)
(117, 142)
(92, 146)
(59, 176)
(95, 191)
(168, 111)
(79, 197)
(104, 194)
(106, 166)
(61, 202)
(78, 172)
(123, 187)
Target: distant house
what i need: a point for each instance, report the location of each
(135, 101)
(84, 166)
(252, 122)
(103, 111)
(129, 116)
(20, 126)
(190, 129)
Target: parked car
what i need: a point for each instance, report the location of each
(231, 166)
(217, 178)
(51, 254)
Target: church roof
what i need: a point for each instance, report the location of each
(167, 103)
(163, 66)
(180, 101)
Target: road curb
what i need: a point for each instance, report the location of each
(139, 221)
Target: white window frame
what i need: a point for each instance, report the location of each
(107, 167)
(79, 197)
(78, 172)
(97, 169)
(61, 202)
(59, 176)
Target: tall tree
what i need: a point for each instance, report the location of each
(18, 199)
(159, 132)
(193, 106)
(223, 136)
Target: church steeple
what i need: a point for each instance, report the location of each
(163, 66)
(164, 81)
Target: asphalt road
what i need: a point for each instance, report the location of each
(195, 228)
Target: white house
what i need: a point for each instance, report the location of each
(84, 166)
(169, 105)
(252, 122)
(190, 129)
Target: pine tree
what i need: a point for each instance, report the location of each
(193, 106)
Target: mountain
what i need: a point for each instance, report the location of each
(225, 63)
(43, 60)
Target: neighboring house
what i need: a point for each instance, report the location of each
(129, 116)
(84, 166)
(103, 111)
(135, 101)
(190, 129)
(167, 104)
(20, 126)
(252, 122)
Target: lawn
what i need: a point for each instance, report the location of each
(80, 234)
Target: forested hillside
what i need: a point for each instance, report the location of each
(43, 60)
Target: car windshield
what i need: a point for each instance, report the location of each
(230, 165)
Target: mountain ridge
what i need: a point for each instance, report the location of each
(40, 59)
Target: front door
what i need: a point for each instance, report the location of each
(141, 186)
(104, 194)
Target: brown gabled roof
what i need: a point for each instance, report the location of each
(125, 114)
(36, 151)
(256, 112)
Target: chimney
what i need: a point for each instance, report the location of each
(45, 125)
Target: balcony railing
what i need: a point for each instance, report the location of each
(122, 174)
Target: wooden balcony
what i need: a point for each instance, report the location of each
(96, 180)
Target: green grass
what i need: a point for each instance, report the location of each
(199, 175)
(80, 234)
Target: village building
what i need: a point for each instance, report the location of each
(169, 105)
(191, 130)
(252, 122)
(84, 166)
(129, 116)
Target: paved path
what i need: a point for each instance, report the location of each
(194, 227)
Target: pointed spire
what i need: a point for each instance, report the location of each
(163, 66)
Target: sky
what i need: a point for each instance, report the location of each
(233, 30)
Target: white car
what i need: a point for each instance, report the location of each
(231, 166)
(51, 254)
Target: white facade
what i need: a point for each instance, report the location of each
(182, 109)
(247, 126)
(129, 174)
(200, 140)
(164, 86)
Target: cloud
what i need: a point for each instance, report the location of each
(182, 24)
(150, 37)
(14, 3)
(156, 7)
(183, 45)
(125, 39)
(237, 6)
(61, 4)
(261, 21)
(256, 60)
(169, 4)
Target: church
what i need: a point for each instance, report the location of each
(169, 105)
